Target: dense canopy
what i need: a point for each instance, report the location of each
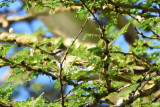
(81, 57)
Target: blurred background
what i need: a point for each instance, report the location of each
(31, 88)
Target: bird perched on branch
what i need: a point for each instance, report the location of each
(77, 68)
(70, 62)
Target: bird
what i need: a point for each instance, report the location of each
(73, 65)
(79, 70)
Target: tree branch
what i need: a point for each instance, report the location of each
(141, 93)
(125, 5)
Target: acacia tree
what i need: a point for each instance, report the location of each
(100, 74)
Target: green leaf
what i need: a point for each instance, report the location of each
(156, 104)
(78, 74)
(146, 22)
(58, 43)
(128, 90)
(100, 42)
(6, 90)
(89, 35)
(138, 102)
(46, 41)
(82, 13)
(37, 100)
(123, 30)
(56, 104)
(4, 48)
(132, 71)
(77, 51)
(96, 51)
(17, 72)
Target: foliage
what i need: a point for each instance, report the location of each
(6, 2)
(97, 74)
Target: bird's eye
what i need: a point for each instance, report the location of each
(56, 52)
(59, 51)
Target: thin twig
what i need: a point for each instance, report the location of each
(97, 21)
(24, 65)
(143, 36)
(156, 98)
(125, 5)
(132, 95)
(105, 60)
(142, 59)
(132, 53)
(142, 93)
(157, 36)
(141, 82)
(6, 105)
(64, 58)
(129, 53)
